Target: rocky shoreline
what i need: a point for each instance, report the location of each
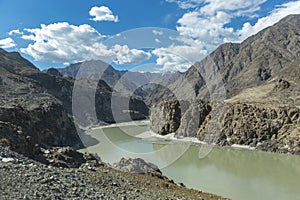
(272, 128)
(23, 178)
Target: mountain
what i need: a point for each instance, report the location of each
(145, 86)
(30, 117)
(36, 107)
(273, 53)
(259, 105)
(109, 74)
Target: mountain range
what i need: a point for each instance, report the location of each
(263, 69)
(145, 86)
(260, 60)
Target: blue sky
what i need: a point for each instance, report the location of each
(168, 35)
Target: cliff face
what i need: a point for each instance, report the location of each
(37, 121)
(263, 126)
(165, 117)
(266, 127)
(180, 117)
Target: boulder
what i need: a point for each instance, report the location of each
(137, 165)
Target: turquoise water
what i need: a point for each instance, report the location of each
(234, 173)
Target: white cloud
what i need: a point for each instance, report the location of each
(206, 23)
(102, 13)
(276, 15)
(16, 31)
(186, 4)
(208, 29)
(7, 43)
(28, 37)
(62, 42)
(179, 57)
(157, 40)
(124, 55)
(204, 26)
(65, 43)
(210, 6)
(156, 32)
(232, 7)
(209, 22)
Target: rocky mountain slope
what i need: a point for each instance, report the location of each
(29, 115)
(261, 94)
(36, 107)
(273, 53)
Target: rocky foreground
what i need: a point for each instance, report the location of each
(22, 178)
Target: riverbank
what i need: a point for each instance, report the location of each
(151, 136)
(23, 178)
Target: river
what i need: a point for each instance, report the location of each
(239, 174)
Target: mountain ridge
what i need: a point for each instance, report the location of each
(259, 106)
(258, 58)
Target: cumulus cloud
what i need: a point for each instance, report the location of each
(204, 26)
(124, 55)
(7, 43)
(209, 21)
(207, 24)
(102, 13)
(209, 30)
(276, 15)
(202, 29)
(62, 42)
(15, 32)
(65, 43)
(179, 57)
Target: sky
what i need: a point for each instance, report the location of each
(138, 35)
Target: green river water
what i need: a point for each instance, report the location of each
(234, 173)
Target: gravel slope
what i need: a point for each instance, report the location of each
(22, 178)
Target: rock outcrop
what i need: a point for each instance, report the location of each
(281, 85)
(267, 127)
(180, 117)
(67, 157)
(165, 117)
(27, 123)
(137, 165)
(257, 125)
